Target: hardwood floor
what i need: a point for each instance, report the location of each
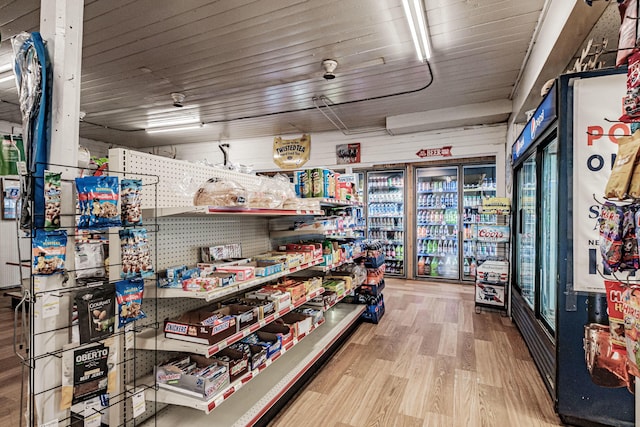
(432, 361)
(10, 377)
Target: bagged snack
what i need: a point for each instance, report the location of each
(52, 190)
(610, 223)
(627, 36)
(136, 257)
(620, 177)
(131, 201)
(49, 250)
(220, 192)
(129, 297)
(631, 310)
(615, 310)
(98, 197)
(89, 259)
(90, 372)
(630, 259)
(96, 312)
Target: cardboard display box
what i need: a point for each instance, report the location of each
(200, 383)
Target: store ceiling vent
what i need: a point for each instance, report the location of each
(467, 115)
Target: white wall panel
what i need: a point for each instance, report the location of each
(376, 148)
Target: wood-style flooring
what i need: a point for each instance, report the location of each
(432, 361)
(11, 372)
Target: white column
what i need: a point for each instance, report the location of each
(61, 29)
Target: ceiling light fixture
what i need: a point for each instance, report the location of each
(414, 11)
(175, 128)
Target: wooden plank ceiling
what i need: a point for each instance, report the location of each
(252, 67)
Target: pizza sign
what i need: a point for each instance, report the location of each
(434, 152)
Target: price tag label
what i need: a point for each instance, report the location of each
(50, 306)
(52, 423)
(22, 170)
(129, 337)
(138, 404)
(92, 418)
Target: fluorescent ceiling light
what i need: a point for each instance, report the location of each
(175, 128)
(6, 78)
(414, 11)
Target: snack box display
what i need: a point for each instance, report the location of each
(315, 314)
(266, 270)
(335, 285)
(213, 265)
(236, 362)
(348, 279)
(203, 326)
(257, 354)
(289, 260)
(242, 272)
(310, 251)
(280, 298)
(279, 330)
(326, 300)
(193, 375)
(327, 259)
(268, 341)
(295, 288)
(245, 315)
(265, 307)
(222, 278)
(300, 324)
(198, 284)
(312, 284)
(213, 253)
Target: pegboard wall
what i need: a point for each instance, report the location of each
(177, 179)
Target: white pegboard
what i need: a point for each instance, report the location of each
(174, 176)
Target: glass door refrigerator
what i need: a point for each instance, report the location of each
(386, 216)
(437, 223)
(479, 184)
(561, 164)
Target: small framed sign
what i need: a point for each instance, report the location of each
(348, 153)
(10, 198)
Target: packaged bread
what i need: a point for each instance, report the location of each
(620, 177)
(220, 192)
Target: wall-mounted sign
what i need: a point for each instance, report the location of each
(493, 233)
(291, 153)
(496, 205)
(540, 121)
(348, 153)
(434, 152)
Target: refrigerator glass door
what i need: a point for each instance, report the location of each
(385, 205)
(479, 183)
(437, 223)
(526, 237)
(549, 234)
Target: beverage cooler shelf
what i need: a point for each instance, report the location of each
(439, 208)
(387, 216)
(394, 259)
(437, 192)
(386, 228)
(439, 255)
(437, 223)
(451, 238)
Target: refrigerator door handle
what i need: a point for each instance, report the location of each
(520, 220)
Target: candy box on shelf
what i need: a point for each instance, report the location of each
(193, 375)
(245, 315)
(347, 279)
(335, 285)
(326, 300)
(315, 314)
(278, 330)
(280, 298)
(300, 324)
(222, 278)
(242, 272)
(310, 251)
(268, 341)
(213, 265)
(213, 253)
(265, 307)
(204, 326)
(312, 284)
(237, 362)
(266, 270)
(257, 355)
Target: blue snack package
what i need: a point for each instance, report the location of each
(129, 295)
(49, 250)
(131, 202)
(98, 197)
(135, 254)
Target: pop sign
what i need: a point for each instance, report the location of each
(493, 233)
(434, 152)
